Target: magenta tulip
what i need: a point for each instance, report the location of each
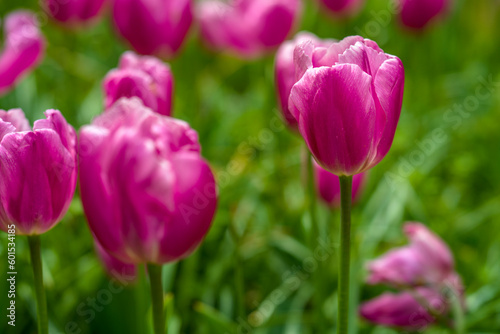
(247, 28)
(38, 171)
(347, 102)
(405, 310)
(426, 260)
(74, 11)
(153, 27)
(284, 72)
(23, 50)
(343, 8)
(417, 14)
(328, 186)
(116, 269)
(145, 77)
(148, 195)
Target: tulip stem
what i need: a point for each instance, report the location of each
(458, 311)
(41, 301)
(345, 254)
(154, 272)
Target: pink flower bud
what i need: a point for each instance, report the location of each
(284, 72)
(74, 11)
(121, 271)
(343, 8)
(153, 27)
(416, 14)
(148, 195)
(426, 260)
(328, 186)
(145, 77)
(247, 28)
(347, 102)
(23, 50)
(406, 310)
(37, 171)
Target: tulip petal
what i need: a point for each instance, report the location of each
(336, 114)
(16, 118)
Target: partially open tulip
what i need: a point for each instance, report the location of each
(121, 271)
(328, 186)
(284, 72)
(425, 274)
(427, 259)
(37, 171)
(145, 77)
(347, 102)
(417, 14)
(153, 27)
(23, 48)
(343, 8)
(74, 11)
(148, 195)
(247, 28)
(406, 310)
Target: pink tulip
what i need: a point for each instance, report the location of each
(145, 77)
(247, 28)
(23, 50)
(148, 195)
(37, 171)
(121, 271)
(347, 102)
(417, 14)
(343, 8)
(74, 11)
(328, 186)
(284, 72)
(406, 310)
(153, 27)
(426, 260)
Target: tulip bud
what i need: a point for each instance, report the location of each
(426, 260)
(328, 186)
(23, 50)
(148, 195)
(153, 27)
(74, 11)
(37, 171)
(343, 8)
(405, 310)
(347, 102)
(145, 77)
(121, 271)
(247, 28)
(284, 72)
(416, 14)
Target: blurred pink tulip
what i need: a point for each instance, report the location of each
(74, 11)
(405, 310)
(343, 8)
(416, 14)
(148, 195)
(284, 72)
(145, 77)
(23, 50)
(347, 102)
(37, 171)
(247, 28)
(121, 271)
(426, 260)
(153, 27)
(328, 186)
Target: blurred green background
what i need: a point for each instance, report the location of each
(238, 281)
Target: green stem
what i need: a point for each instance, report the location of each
(458, 312)
(154, 272)
(41, 301)
(239, 282)
(345, 254)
